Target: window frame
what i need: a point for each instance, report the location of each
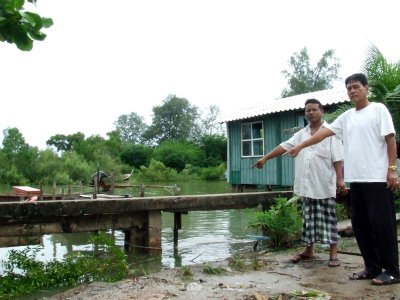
(252, 140)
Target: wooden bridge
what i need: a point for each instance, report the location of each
(140, 218)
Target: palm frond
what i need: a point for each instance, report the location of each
(341, 109)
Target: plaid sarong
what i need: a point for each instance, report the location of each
(319, 221)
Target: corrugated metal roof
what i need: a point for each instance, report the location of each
(326, 97)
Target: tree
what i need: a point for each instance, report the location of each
(383, 81)
(302, 78)
(65, 142)
(174, 119)
(131, 128)
(22, 157)
(136, 155)
(215, 149)
(209, 122)
(177, 154)
(21, 27)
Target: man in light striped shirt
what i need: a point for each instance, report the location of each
(318, 173)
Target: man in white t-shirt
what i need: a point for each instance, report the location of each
(368, 137)
(318, 172)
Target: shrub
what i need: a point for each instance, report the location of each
(24, 274)
(281, 223)
(397, 200)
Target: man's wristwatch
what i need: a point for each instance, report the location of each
(393, 168)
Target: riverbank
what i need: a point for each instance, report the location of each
(275, 276)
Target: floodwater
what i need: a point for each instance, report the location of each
(205, 235)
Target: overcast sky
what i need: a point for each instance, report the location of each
(102, 59)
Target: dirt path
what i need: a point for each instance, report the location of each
(276, 276)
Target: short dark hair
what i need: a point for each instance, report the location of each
(357, 77)
(313, 101)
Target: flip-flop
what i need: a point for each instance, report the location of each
(362, 275)
(299, 257)
(385, 279)
(333, 262)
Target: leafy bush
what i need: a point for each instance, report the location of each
(281, 223)
(213, 173)
(23, 274)
(176, 154)
(341, 212)
(397, 200)
(157, 171)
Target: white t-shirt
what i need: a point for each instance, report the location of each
(315, 176)
(363, 134)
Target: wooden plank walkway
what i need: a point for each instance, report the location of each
(140, 217)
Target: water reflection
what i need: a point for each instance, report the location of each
(205, 236)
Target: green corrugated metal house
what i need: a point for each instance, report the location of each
(254, 131)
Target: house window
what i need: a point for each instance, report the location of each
(252, 139)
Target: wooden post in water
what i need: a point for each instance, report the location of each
(154, 230)
(95, 189)
(54, 191)
(112, 182)
(142, 190)
(41, 190)
(177, 226)
(146, 234)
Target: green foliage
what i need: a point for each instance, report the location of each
(215, 149)
(210, 270)
(136, 155)
(255, 262)
(131, 128)
(302, 78)
(21, 27)
(213, 173)
(341, 109)
(76, 167)
(174, 119)
(209, 125)
(236, 262)
(281, 223)
(24, 274)
(397, 200)
(187, 273)
(341, 212)
(176, 154)
(66, 142)
(383, 81)
(21, 158)
(157, 171)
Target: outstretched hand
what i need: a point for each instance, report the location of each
(293, 152)
(259, 163)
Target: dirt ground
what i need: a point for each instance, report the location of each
(276, 278)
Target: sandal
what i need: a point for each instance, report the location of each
(300, 256)
(385, 279)
(333, 262)
(363, 275)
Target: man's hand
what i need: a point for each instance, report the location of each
(392, 180)
(259, 163)
(341, 187)
(294, 151)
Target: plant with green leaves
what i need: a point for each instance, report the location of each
(21, 27)
(281, 222)
(383, 82)
(236, 262)
(303, 78)
(24, 274)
